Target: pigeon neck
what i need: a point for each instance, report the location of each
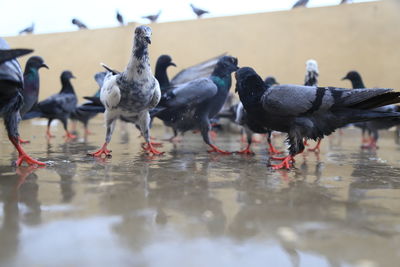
(139, 64)
(31, 80)
(311, 79)
(357, 83)
(162, 76)
(66, 86)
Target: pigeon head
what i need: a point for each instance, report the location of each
(143, 34)
(36, 62)
(270, 81)
(312, 66)
(67, 75)
(226, 65)
(248, 79)
(74, 21)
(165, 60)
(352, 76)
(99, 77)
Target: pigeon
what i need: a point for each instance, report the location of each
(79, 23)
(346, 1)
(152, 18)
(58, 106)
(130, 94)
(191, 106)
(308, 111)
(270, 80)
(11, 99)
(81, 113)
(198, 11)
(120, 18)
(300, 3)
(372, 127)
(28, 30)
(163, 62)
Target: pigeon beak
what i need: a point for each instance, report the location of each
(172, 64)
(147, 39)
(73, 77)
(45, 66)
(344, 78)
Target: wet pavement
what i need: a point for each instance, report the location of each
(340, 207)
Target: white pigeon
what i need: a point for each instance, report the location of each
(130, 94)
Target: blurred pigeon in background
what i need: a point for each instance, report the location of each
(198, 11)
(79, 23)
(120, 18)
(152, 18)
(28, 30)
(300, 3)
(346, 2)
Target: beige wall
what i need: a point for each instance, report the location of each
(362, 36)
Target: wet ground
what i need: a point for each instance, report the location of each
(340, 207)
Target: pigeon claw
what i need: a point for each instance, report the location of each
(70, 136)
(216, 149)
(49, 135)
(23, 157)
(101, 151)
(316, 148)
(286, 163)
(22, 141)
(246, 151)
(148, 147)
(273, 150)
(371, 145)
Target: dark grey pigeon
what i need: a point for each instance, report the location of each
(162, 64)
(11, 99)
(372, 127)
(308, 111)
(28, 30)
(192, 105)
(58, 106)
(152, 18)
(300, 3)
(120, 18)
(79, 23)
(130, 95)
(198, 11)
(346, 1)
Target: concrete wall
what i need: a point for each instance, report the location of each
(364, 37)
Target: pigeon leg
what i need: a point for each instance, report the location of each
(144, 125)
(247, 150)
(67, 135)
(86, 126)
(110, 123)
(101, 151)
(287, 163)
(22, 141)
(271, 148)
(22, 155)
(204, 129)
(48, 133)
(148, 147)
(317, 147)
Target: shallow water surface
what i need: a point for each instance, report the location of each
(339, 207)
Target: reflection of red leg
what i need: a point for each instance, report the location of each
(22, 141)
(22, 155)
(246, 151)
(148, 147)
(286, 163)
(69, 135)
(101, 151)
(216, 149)
(316, 148)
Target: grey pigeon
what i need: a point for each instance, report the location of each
(346, 1)
(79, 23)
(152, 18)
(120, 18)
(300, 3)
(11, 99)
(308, 111)
(130, 94)
(28, 30)
(198, 11)
(58, 106)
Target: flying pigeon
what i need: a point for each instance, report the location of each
(79, 23)
(120, 18)
(308, 111)
(58, 106)
(191, 106)
(130, 94)
(152, 18)
(11, 99)
(198, 11)
(28, 30)
(372, 127)
(300, 3)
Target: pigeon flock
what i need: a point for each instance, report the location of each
(193, 100)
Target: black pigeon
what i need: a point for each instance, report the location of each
(79, 23)
(58, 106)
(300, 3)
(372, 127)
(28, 30)
(190, 106)
(152, 18)
(162, 64)
(198, 11)
(11, 99)
(307, 111)
(82, 113)
(120, 18)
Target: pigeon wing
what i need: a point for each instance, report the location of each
(110, 94)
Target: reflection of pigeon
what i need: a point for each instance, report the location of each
(28, 30)
(58, 106)
(79, 23)
(130, 94)
(300, 3)
(306, 111)
(152, 18)
(198, 11)
(11, 99)
(120, 18)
